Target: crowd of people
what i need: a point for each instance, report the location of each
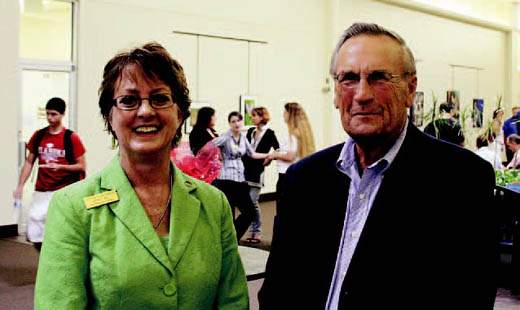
(496, 141)
(141, 234)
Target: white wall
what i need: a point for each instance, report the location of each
(293, 65)
(438, 43)
(9, 31)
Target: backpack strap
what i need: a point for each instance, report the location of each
(69, 155)
(37, 140)
(67, 144)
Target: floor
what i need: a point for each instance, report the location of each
(17, 276)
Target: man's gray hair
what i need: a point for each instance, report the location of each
(373, 29)
(513, 138)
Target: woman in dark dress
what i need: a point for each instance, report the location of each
(203, 131)
(262, 139)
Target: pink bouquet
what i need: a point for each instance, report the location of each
(205, 166)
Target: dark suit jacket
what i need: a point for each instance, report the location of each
(253, 168)
(429, 241)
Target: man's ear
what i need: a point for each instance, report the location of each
(412, 87)
(336, 99)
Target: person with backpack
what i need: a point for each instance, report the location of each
(61, 159)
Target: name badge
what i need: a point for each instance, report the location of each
(100, 199)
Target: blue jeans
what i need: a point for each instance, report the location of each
(256, 225)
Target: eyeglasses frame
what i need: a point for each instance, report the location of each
(365, 75)
(114, 102)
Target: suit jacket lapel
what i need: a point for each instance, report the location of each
(131, 213)
(185, 211)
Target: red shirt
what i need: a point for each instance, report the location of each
(52, 150)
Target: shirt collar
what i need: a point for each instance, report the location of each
(264, 128)
(347, 157)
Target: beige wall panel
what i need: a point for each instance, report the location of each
(465, 80)
(294, 62)
(438, 43)
(9, 31)
(223, 76)
(183, 48)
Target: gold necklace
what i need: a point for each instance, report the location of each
(167, 205)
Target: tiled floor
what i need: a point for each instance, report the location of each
(505, 301)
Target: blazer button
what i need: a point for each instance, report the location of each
(169, 290)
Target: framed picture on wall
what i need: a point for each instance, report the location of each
(194, 109)
(478, 111)
(247, 104)
(418, 109)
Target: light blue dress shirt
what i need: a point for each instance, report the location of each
(362, 193)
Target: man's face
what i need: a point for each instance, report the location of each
(515, 111)
(54, 117)
(377, 111)
(513, 146)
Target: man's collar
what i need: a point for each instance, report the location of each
(347, 156)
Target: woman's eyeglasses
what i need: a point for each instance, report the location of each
(130, 102)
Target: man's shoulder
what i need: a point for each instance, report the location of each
(74, 136)
(323, 160)
(434, 152)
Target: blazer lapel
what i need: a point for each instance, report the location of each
(185, 211)
(131, 213)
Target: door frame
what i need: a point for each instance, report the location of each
(56, 66)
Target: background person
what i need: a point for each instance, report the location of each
(513, 143)
(487, 152)
(140, 234)
(262, 139)
(61, 160)
(233, 146)
(511, 126)
(297, 144)
(497, 144)
(446, 128)
(377, 245)
(203, 131)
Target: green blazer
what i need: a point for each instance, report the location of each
(110, 257)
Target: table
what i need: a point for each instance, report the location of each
(254, 261)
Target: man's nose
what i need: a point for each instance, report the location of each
(364, 91)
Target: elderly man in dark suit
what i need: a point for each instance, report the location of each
(396, 218)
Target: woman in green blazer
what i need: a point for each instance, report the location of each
(140, 234)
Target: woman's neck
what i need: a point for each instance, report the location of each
(236, 134)
(210, 131)
(146, 170)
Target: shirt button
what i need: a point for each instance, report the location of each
(169, 290)
(361, 196)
